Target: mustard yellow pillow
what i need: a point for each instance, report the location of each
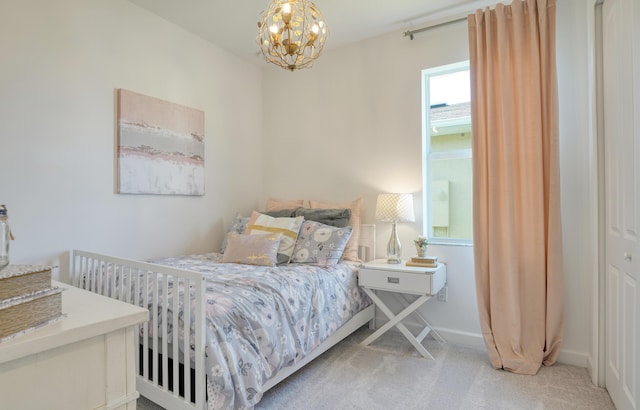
(252, 249)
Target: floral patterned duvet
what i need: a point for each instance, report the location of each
(261, 319)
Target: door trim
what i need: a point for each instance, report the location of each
(596, 184)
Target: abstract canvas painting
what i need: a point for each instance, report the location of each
(160, 146)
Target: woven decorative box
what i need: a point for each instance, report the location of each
(27, 299)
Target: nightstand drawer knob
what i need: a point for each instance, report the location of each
(393, 280)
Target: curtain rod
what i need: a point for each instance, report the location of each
(410, 33)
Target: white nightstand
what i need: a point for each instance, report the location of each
(402, 280)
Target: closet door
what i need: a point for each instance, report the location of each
(621, 76)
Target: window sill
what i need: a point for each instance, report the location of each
(444, 242)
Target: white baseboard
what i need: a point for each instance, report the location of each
(476, 340)
(574, 358)
(454, 336)
(458, 337)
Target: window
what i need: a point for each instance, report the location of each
(447, 172)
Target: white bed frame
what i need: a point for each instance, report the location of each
(154, 384)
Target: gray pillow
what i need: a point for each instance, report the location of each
(281, 213)
(332, 217)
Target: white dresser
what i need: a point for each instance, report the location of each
(85, 360)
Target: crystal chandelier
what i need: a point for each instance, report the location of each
(292, 33)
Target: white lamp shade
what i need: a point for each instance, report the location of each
(395, 208)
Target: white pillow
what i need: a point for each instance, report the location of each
(289, 227)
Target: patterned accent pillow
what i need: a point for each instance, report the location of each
(289, 227)
(275, 204)
(238, 225)
(320, 244)
(351, 251)
(252, 249)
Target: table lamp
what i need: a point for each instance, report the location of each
(394, 208)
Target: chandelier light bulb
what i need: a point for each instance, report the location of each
(286, 10)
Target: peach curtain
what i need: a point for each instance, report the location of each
(516, 196)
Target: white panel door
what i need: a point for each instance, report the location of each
(621, 74)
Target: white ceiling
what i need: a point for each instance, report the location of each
(232, 24)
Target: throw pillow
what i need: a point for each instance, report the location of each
(252, 249)
(351, 251)
(289, 227)
(276, 204)
(280, 213)
(332, 217)
(320, 244)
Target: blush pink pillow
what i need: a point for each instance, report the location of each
(252, 249)
(275, 204)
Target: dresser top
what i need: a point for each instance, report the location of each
(85, 315)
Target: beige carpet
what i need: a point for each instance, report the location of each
(390, 374)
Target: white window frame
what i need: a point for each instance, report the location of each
(428, 156)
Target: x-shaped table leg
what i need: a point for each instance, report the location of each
(428, 328)
(396, 320)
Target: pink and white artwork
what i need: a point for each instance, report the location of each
(160, 146)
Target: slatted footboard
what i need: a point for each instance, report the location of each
(163, 374)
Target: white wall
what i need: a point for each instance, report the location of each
(61, 64)
(351, 126)
(357, 132)
(577, 168)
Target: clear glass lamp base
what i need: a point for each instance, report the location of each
(394, 249)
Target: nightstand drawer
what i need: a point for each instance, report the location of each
(404, 279)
